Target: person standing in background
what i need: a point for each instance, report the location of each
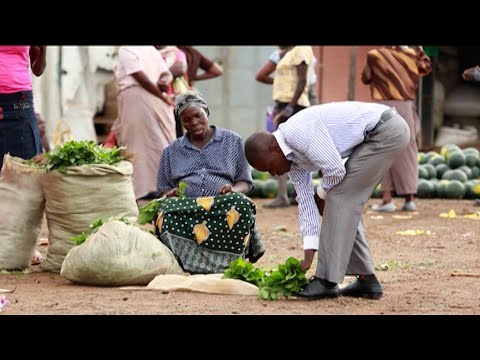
(19, 132)
(145, 122)
(393, 74)
(177, 64)
(290, 93)
(196, 60)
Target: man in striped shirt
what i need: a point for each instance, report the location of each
(318, 138)
(393, 74)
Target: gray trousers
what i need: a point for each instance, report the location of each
(343, 248)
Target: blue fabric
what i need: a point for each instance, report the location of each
(222, 161)
(19, 133)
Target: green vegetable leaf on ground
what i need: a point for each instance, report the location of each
(285, 281)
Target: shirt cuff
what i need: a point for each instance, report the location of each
(476, 76)
(311, 242)
(322, 194)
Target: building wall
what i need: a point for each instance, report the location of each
(333, 71)
(236, 100)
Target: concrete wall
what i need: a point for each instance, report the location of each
(236, 100)
(334, 71)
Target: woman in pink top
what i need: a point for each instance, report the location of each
(19, 133)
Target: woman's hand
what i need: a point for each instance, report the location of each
(169, 99)
(171, 193)
(225, 189)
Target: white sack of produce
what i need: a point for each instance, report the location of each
(119, 254)
(21, 212)
(203, 283)
(82, 195)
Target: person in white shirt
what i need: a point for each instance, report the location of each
(371, 135)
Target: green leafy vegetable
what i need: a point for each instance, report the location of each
(75, 153)
(182, 186)
(80, 239)
(288, 279)
(243, 270)
(148, 212)
(285, 281)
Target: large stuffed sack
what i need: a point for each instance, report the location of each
(117, 255)
(76, 199)
(21, 212)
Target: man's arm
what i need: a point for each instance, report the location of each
(308, 214)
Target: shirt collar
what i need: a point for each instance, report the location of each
(217, 136)
(287, 150)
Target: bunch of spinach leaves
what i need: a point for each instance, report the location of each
(285, 281)
(75, 153)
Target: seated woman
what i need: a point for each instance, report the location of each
(215, 223)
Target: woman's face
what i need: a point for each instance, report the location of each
(195, 121)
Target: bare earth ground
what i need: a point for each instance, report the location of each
(418, 281)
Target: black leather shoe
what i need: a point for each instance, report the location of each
(365, 287)
(316, 290)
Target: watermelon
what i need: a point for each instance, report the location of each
(475, 172)
(455, 190)
(440, 188)
(432, 171)
(456, 159)
(467, 171)
(257, 188)
(421, 158)
(425, 189)
(441, 169)
(436, 159)
(455, 175)
(475, 189)
(290, 189)
(270, 188)
(470, 159)
(448, 148)
(260, 175)
(422, 172)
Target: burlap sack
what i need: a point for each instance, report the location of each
(21, 212)
(119, 254)
(76, 199)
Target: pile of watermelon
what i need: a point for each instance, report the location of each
(453, 173)
(264, 186)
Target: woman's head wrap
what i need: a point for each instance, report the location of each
(188, 99)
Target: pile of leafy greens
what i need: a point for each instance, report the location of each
(285, 281)
(75, 153)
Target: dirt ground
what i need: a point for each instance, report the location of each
(418, 280)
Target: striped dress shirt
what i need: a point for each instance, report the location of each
(221, 161)
(318, 138)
